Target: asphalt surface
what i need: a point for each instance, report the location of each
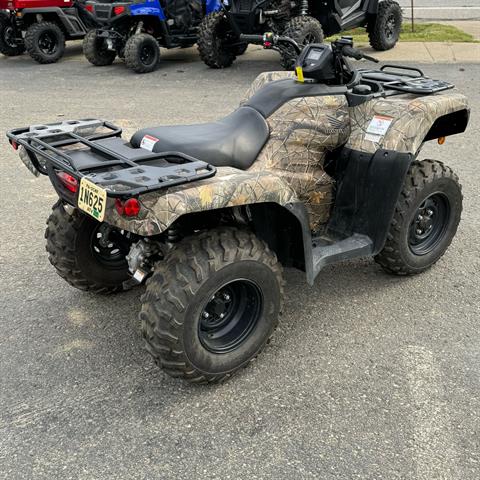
(369, 376)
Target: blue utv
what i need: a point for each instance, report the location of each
(136, 30)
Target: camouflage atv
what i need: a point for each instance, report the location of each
(310, 170)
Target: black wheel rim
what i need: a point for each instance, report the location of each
(391, 27)
(110, 249)
(309, 38)
(429, 224)
(147, 54)
(230, 316)
(47, 43)
(9, 37)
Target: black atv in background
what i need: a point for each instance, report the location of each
(304, 21)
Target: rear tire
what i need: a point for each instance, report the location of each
(303, 30)
(211, 305)
(96, 51)
(45, 42)
(426, 218)
(213, 45)
(8, 44)
(73, 251)
(384, 28)
(142, 53)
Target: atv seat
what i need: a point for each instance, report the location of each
(234, 141)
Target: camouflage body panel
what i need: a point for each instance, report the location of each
(230, 187)
(412, 117)
(290, 167)
(302, 132)
(264, 78)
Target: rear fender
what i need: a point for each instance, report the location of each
(409, 121)
(228, 188)
(67, 19)
(148, 8)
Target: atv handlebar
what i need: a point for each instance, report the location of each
(270, 40)
(357, 54)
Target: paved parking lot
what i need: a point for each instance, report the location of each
(368, 377)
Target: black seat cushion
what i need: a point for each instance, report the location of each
(233, 141)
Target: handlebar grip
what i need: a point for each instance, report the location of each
(252, 38)
(352, 52)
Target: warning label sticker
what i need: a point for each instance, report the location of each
(379, 125)
(148, 142)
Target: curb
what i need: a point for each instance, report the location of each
(429, 52)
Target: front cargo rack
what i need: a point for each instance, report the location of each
(94, 149)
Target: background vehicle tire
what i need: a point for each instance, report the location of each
(74, 250)
(212, 41)
(303, 30)
(142, 53)
(384, 28)
(8, 44)
(227, 272)
(96, 51)
(45, 42)
(239, 50)
(426, 218)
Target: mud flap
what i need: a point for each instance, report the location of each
(368, 186)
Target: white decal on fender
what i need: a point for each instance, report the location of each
(379, 126)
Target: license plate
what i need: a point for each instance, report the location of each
(92, 199)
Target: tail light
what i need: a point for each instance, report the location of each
(118, 10)
(69, 182)
(129, 208)
(89, 8)
(14, 145)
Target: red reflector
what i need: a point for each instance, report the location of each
(68, 181)
(89, 8)
(131, 208)
(15, 145)
(118, 10)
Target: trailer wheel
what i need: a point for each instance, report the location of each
(211, 305)
(384, 28)
(426, 218)
(142, 53)
(8, 43)
(45, 42)
(96, 51)
(80, 257)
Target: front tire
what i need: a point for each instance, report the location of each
(303, 30)
(213, 44)
(426, 219)
(45, 42)
(8, 44)
(96, 51)
(142, 53)
(211, 305)
(75, 252)
(384, 28)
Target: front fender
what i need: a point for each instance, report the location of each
(411, 117)
(228, 188)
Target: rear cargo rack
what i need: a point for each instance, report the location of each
(94, 149)
(401, 79)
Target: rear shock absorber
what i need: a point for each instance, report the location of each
(304, 7)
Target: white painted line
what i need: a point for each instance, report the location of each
(434, 450)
